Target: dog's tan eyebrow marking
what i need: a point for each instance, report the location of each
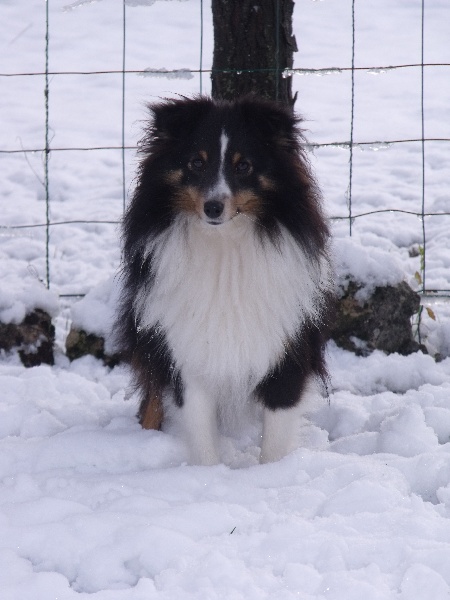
(203, 155)
(266, 183)
(237, 156)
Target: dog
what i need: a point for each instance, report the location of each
(227, 282)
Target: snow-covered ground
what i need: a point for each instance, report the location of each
(93, 506)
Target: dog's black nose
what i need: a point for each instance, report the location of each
(213, 209)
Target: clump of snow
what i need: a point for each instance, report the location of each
(147, 2)
(92, 504)
(21, 293)
(80, 3)
(379, 372)
(175, 74)
(435, 326)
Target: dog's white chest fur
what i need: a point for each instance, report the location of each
(227, 301)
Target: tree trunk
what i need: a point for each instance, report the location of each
(253, 44)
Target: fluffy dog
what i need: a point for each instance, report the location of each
(227, 284)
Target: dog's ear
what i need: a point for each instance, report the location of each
(175, 118)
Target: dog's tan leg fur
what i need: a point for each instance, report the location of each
(151, 412)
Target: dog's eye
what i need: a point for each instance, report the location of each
(242, 167)
(197, 163)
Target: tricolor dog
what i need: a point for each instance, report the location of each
(227, 285)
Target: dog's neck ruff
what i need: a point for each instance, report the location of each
(227, 300)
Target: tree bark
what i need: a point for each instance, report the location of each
(253, 44)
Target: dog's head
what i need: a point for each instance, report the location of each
(222, 160)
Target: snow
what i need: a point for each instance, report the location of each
(21, 293)
(175, 74)
(368, 260)
(93, 506)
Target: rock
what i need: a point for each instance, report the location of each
(382, 321)
(79, 343)
(34, 338)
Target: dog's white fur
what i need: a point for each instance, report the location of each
(228, 302)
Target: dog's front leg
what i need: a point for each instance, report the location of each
(281, 432)
(199, 422)
(282, 427)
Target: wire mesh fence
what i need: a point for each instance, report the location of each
(351, 211)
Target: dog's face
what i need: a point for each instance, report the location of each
(221, 177)
(220, 161)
